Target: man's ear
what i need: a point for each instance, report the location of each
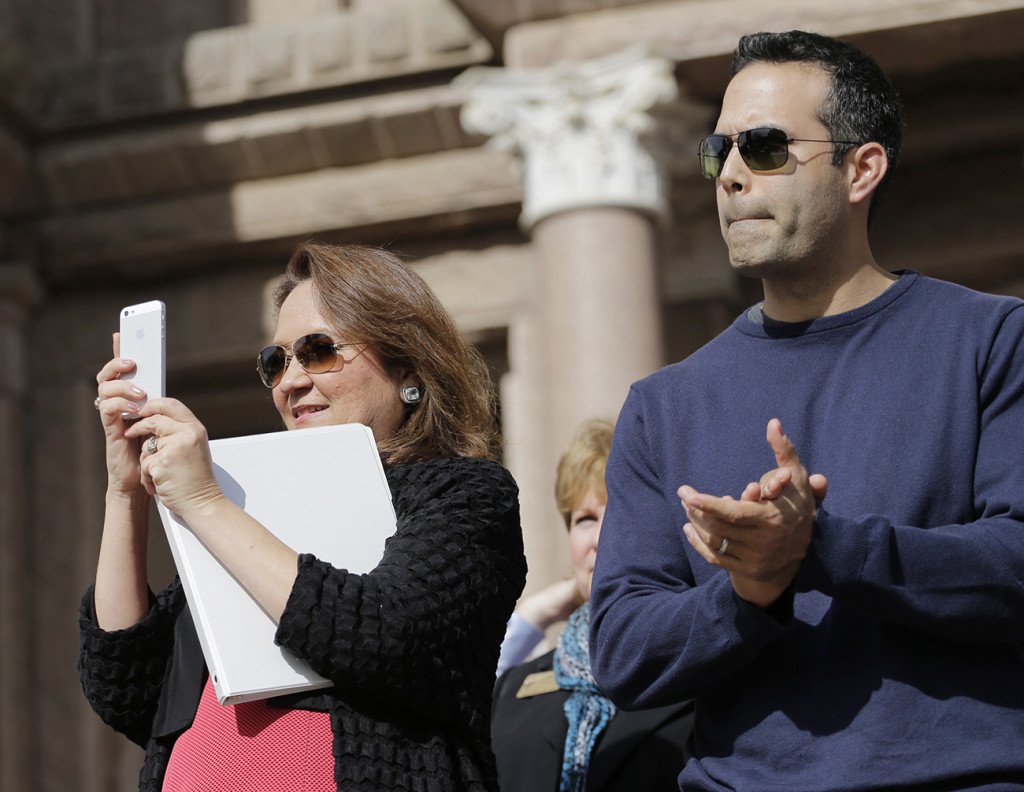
(867, 166)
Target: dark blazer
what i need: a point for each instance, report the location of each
(639, 751)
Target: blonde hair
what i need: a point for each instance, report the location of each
(581, 466)
(371, 297)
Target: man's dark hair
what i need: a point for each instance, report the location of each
(862, 104)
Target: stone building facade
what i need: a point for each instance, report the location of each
(537, 160)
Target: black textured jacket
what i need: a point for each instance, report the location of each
(411, 646)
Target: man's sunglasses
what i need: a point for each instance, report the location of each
(317, 353)
(763, 149)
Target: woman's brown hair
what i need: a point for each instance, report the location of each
(371, 297)
(581, 466)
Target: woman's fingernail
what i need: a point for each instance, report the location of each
(138, 391)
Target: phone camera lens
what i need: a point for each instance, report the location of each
(126, 312)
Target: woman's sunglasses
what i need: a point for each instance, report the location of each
(317, 353)
(763, 149)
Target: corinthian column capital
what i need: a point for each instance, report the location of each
(585, 133)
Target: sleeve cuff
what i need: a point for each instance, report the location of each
(836, 555)
(92, 630)
(521, 637)
(303, 601)
(755, 623)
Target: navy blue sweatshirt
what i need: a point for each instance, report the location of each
(897, 660)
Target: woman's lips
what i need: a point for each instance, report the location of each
(304, 411)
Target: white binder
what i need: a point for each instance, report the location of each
(320, 490)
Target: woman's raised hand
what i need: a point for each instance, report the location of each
(175, 463)
(115, 398)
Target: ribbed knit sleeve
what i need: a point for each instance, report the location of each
(420, 632)
(702, 634)
(122, 671)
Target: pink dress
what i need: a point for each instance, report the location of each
(252, 746)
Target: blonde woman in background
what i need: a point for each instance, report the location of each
(552, 729)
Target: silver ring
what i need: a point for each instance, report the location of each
(724, 546)
(151, 445)
(96, 402)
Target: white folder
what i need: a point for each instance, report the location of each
(320, 490)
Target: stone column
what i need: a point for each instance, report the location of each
(594, 188)
(19, 292)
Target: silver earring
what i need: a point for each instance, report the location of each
(410, 394)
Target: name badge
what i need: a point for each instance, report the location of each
(537, 685)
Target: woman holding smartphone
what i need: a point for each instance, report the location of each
(410, 647)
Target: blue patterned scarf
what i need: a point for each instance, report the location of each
(587, 711)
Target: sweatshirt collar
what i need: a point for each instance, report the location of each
(753, 322)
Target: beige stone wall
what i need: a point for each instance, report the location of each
(179, 150)
(99, 61)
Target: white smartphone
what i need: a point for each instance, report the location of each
(143, 340)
